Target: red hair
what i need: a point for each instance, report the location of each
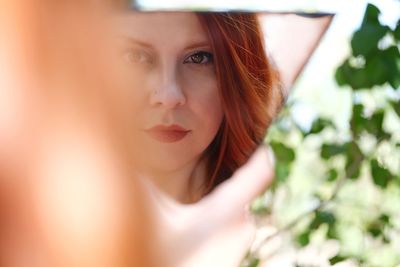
(249, 91)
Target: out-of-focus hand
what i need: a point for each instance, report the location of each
(217, 230)
(66, 194)
(66, 198)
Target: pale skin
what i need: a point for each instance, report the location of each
(171, 76)
(75, 187)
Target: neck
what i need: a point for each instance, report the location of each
(183, 184)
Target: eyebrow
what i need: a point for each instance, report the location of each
(192, 45)
(137, 42)
(198, 44)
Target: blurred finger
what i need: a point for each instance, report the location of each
(231, 197)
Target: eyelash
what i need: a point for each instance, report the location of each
(204, 54)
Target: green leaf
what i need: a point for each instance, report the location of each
(390, 58)
(283, 153)
(377, 227)
(375, 230)
(396, 32)
(322, 217)
(380, 175)
(384, 218)
(357, 122)
(396, 107)
(354, 160)
(376, 121)
(375, 126)
(371, 14)
(319, 125)
(348, 75)
(332, 232)
(375, 70)
(365, 40)
(380, 67)
(304, 238)
(331, 150)
(332, 175)
(282, 171)
(337, 259)
(341, 74)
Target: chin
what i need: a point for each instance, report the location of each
(169, 160)
(170, 157)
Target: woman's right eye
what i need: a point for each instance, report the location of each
(136, 57)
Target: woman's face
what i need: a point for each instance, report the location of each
(169, 72)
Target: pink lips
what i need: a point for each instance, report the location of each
(168, 134)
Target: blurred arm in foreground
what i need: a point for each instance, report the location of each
(67, 195)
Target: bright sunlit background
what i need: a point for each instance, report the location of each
(316, 86)
(316, 94)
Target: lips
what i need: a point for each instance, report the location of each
(168, 134)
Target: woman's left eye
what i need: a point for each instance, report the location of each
(201, 57)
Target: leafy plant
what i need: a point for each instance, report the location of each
(345, 161)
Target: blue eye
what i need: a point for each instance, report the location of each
(201, 57)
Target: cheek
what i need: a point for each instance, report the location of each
(204, 100)
(211, 112)
(133, 85)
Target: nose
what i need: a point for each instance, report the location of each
(167, 91)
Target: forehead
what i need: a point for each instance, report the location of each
(168, 27)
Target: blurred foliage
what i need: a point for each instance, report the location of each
(373, 67)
